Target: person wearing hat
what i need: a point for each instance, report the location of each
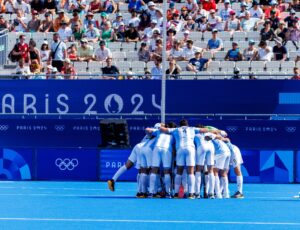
(148, 32)
(102, 53)
(34, 24)
(281, 31)
(184, 13)
(202, 24)
(234, 54)
(120, 32)
(47, 24)
(250, 52)
(190, 24)
(267, 33)
(274, 20)
(92, 34)
(85, 51)
(232, 24)
(248, 23)
(214, 44)
(272, 8)
(171, 11)
(279, 51)
(55, 74)
(151, 9)
(185, 38)
(68, 71)
(198, 63)
(61, 17)
(225, 12)
(213, 21)
(94, 6)
(75, 20)
(65, 32)
(170, 38)
(58, 52)
(256, 11)
(153, 40)
(289, 19)
(131, 34)
(117, 21)
(78, 5)
(89, 18)
(241, 13)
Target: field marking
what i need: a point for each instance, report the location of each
(149, 221)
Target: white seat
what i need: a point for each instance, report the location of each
(227, 66)
(195, 35)
(220, 55)
(254, 35)
(128, 46)
(132, 56)
(95, 66)
(287, 65)
(293, 55)
(137, 66)
(182, 64)
(119, 55)
(115, 46)
(80, 65)
(239, 36)
(243, 65)
(213, 66)
(257, 66)
(84, 75)
(207, 55)
(150, 65)
(224, 35)
(273, 66)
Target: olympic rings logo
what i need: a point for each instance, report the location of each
(232, 129)
(59, 128)
(66, 164)
(4, 127)
(290, 129)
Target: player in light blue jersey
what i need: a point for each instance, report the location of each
(185, 154)
(235, 161)
(162, 154)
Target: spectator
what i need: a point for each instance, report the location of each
(134, 19)
(85, 51)
(78, 5)
(110, 71)
(264, 52)
(171, 11)
(34, 24)
(50, 6)
(109, 6)
(176, 52)
(296, 74)
(294, 5)
(214, 44)
(61, 17)
(54, 74)
(274, 20)
(213, 22)
(170, 38)
(209, 5)
(281, 6)
(293, 34)
(21, 49)
(77, 32)
(173, 71)
(156, 71)
(132, 35)
(248, 23)
(9, 7)
(35, 68)
(22, 6)
(273, 8)
(234, 54)
(45, 52)
(68, 70)
(267, 33)
(34, 53)
(89, 18)
(190, 24)
(148, 32)
(159, 18)
(185, 38)
(20, 22)
(95, 6)
(119, 19)
(279, 51)
(191, 6)
(92, 34)
(58, 52)
(224, 13)
(47, 24)
(65, 32)
(104, 19)
(22, 69)
(3, 23)
(184, 13)
(120, 32)
(241, 13)
(154, 38)
(145, 20)
(107, 34)
(176, 23)
(37, 5)
(281, 31)
(135, 5)
(202, 24)
(232, 24)
(198, 63)
(256, 11)
(190, 50)
(298, 56)
(152, 10)
(75, 20)
(72, 52)
(157, 52)
(144, 53)
(290, 19)
(251, 52)
(102, 53)
(200, 12)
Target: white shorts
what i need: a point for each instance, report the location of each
(205, 154)
(161, 155)
(222, 160)
(186, 157)
(236, 158)
(133, 157)
(144, 156)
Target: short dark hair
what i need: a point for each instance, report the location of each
(183, 122)
(171, 124)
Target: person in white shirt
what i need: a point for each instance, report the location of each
(65, 32)
(22, 71)
(148, 32)
(213, 20)
(102, 53)
(92, 34)
(156, 71)
(152, 10)
(176, 52)
(20, 22)
(190, 50)
(256, 11)
(264, 52)
(23, 6)
(224, 13)
(134, 19)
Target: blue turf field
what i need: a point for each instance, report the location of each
(89, 205)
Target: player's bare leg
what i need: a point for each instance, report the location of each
(239, 182)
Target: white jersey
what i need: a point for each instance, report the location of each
(184, 136)
(220, 146)
(199, 140)
(163, 140)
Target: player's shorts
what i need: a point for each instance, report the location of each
(236, 158)
(133, 157)
(186, 156)
(222, 160)
(161, 155)
(145, 157)
(205, 154)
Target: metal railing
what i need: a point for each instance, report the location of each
(3, 46)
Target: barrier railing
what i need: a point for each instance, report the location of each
(3, 46)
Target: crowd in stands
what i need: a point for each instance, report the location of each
(84, 31)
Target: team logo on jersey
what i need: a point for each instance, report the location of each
(113, 103)
(290, 129)
(232, 129)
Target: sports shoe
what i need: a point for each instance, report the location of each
(197, 196)
(211, 196)
(191, 196)
(168, 196)
(238, 195)
(138, 194)
(176, 196)
(150, 195)
(142, 195)
(111, 185)
(205, 196)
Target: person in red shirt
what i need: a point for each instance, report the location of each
(21, 49)
(209, 5)
(296, 74)
(171, 11)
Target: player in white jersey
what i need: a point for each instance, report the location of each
(185, 154)
(235, 161)
(162, 154)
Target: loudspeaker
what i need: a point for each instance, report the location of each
(114, 133)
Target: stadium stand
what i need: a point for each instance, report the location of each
(202, 20)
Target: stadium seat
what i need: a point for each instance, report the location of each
(95, 66)
(137, 66)
(214, 66)
(220, 55)
(239, 36)
(286, 65)
(132, 56)
(228, 66)
(80, 65)
(273, 66)
(119, 55)
(257, 66)
(243, 65)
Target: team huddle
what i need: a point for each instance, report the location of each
(173, 161)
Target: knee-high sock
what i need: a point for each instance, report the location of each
(206, 179)
(185, 181)
(211, 183)
(138, 182)
(144, 182)
(198, 182)
(120, 171)
(177, 183)
(221, 184)
(167, 180)
(152, 186)
(158, 185)
(224, 182)
(217, 187)
(191, 183)
(239, 182)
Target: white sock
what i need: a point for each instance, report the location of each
(191, 182)
(177, 183)
(157, 184)
(152, 183)
(224, 182)
(211, 183)
(221, 184)
(239, 182)
(138, 182)
(197, 182)
(120, 171)
(206, 182)
(217, 187)
(167, 180)
(144, 181)
(185, 181)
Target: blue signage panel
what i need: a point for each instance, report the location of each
(297, 162)
(16, 164)
(111, 160)
(67, 164)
